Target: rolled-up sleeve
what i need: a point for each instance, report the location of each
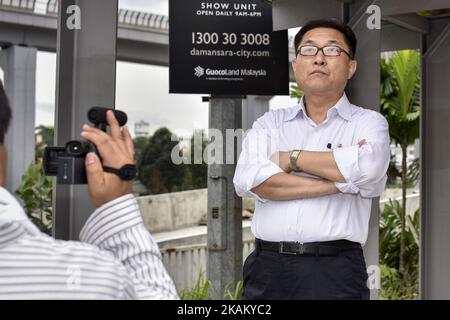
(364, 168)
(254, 165)
(117, 227)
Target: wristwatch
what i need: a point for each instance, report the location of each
(293, 159)
(127, 173)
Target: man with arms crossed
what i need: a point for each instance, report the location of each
(313, 170)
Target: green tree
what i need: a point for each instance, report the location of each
(46, 135)
(196, 173)
(155, 166)
(400, 104)
(139, 145)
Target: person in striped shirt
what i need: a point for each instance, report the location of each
(5, 118)
(116, 257)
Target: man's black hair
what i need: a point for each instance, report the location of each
(349, 35)
(5, 113)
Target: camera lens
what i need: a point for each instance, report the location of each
(75, 148)
(94, 115)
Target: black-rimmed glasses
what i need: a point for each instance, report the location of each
(328, 51)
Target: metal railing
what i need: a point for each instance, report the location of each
(22, 5)
(128, 18)
(143, 19)
(185, 263)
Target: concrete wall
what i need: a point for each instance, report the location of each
(412, 199)
(177, 210)
(172, 211)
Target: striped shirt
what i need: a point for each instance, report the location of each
(116, 258)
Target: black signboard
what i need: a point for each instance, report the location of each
(226, 47)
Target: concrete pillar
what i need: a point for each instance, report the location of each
(19, 66)
(252, 108)
(224, 265)
(435, 159)
(364, 91)
(86, 77)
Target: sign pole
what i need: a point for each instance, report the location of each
(224, 264)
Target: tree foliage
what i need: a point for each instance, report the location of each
(46, 135)
(156, 168)
(400, 104)
(36, 194)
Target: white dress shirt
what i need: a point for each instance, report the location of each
(117, 258)
(333, 217)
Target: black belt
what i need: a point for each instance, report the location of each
(326, 248)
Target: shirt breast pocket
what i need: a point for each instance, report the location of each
(344, 137)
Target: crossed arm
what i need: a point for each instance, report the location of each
(284, 186)
(357, 169)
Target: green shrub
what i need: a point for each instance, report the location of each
(202, 288)
(236, 293)
(393, 287)
(394, 284)
(36, 194)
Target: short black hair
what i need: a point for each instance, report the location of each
(5, 113)
(349, 35)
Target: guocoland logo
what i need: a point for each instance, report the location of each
(200, 71)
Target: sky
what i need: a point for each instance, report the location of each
(142, 90)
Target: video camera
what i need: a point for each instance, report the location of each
(68, 163)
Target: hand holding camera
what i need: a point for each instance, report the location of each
(117, 152)
(104, 162)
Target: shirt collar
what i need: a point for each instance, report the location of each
(342, 107)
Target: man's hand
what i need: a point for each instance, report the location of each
(116, 150)
(281, 159)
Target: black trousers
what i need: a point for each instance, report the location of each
(271, 275)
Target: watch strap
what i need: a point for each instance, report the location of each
(112, 170)
(120, 172)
